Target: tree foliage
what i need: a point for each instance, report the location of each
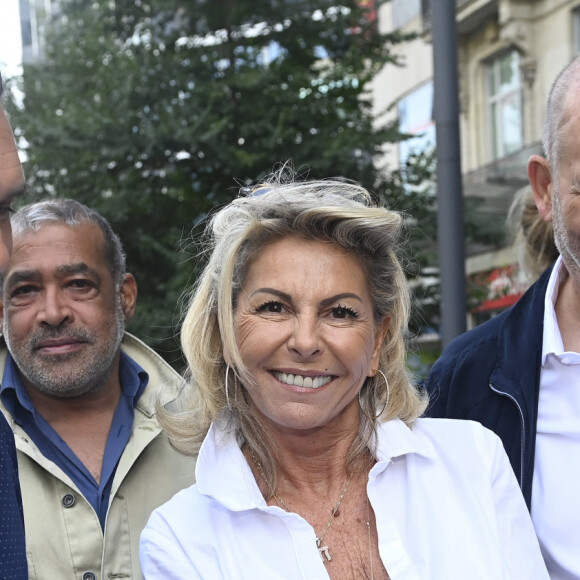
(155, 111)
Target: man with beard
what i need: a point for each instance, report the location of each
(519, 373)
(81, 396)
(12, 547)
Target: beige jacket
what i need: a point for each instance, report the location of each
(64, 539)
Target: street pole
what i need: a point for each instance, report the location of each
(449, 185)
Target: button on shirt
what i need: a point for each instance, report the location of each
(133, 381)
(555, 499)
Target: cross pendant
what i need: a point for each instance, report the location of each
(323, 550)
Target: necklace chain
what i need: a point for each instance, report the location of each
(323, 550)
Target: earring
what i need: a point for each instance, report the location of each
(360, 401)
(388, 393)
(227, 388)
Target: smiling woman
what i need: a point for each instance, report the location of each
(313, 461)
(306, 335)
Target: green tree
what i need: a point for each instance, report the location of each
(156, 111)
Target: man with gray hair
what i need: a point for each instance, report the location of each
(519, 373)
(81, 394)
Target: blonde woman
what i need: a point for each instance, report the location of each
(313, 462)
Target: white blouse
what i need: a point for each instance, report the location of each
(446, 502)
(555, 503)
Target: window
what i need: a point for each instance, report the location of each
(404, 11)
(416, 118)
(25, 24)
(426, 14)
(576, 29)
(505, 103)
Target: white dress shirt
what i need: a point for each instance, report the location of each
(446, 501)
(555, 495)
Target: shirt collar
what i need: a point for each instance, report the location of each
(12, 390)
(133, 378)
(223, 473)
(396, 439)
(552, 339)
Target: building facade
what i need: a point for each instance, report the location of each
(509, 53)
(35, 15)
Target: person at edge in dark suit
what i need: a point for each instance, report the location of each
(12, 543)
(519, 373)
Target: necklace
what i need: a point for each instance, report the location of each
(322, 549)
(324, 552)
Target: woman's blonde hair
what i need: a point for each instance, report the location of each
(533, 236)
(332, 211)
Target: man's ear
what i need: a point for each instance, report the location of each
(540, 177)
(128, 296)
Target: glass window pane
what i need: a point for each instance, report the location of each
(505, 104)
(415, 110)
(495, 137)
(404, 11)
(509, 71)
(576, 30)
(491, 79)
(511, 121)
(416, 118)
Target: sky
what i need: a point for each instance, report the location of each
(10, 44)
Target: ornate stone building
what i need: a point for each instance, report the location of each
(509, 54)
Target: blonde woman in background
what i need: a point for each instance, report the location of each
(313, 461)
(532, 235)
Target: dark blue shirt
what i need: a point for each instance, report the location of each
(133, 381)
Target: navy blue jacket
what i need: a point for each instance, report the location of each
(13, 564)
(491, 374)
